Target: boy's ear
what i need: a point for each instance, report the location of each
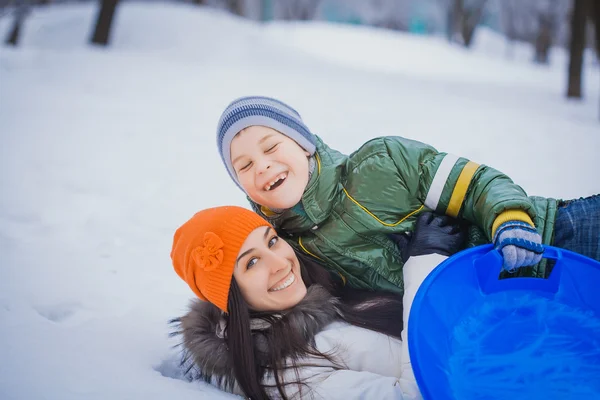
(307, 153)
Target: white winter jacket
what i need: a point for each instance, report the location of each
(368, 364)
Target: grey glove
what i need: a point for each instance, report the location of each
(519, 243)
(433, 234)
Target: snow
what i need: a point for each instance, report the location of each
(105, 152)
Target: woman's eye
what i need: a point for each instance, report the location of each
(251, 262)
(272, 148)
(273, 241)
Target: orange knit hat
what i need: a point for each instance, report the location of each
(205, 249)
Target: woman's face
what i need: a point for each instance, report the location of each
(268, 272)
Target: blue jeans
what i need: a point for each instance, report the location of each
(577, 226)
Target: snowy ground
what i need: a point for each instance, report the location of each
(105, 152)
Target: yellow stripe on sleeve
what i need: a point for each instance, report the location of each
(460, 189)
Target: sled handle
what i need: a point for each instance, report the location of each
(489, 267)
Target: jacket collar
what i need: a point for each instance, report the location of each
(202, 330)
(322, 191)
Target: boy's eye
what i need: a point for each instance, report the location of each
(251, 262)
(272, 148)
(245, 167)
(273, 241)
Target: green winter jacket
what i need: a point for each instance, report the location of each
(352, 203)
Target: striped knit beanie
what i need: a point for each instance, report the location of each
(206, 247)
(264, 111)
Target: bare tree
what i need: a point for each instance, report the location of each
(595, 18)
(543, 23)
(21, 9)
(471, 18)
(236, 7)
(104, 22)
(509, 23)
(545, 34)
(518, 22)
(463, 18)
(578, 23)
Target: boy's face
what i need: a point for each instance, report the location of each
(271, 168)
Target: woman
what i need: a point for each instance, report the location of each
(274, 324)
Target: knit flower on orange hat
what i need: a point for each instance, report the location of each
(209, 255)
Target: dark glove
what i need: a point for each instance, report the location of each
(433, 234)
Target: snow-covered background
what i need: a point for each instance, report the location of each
(105, 152)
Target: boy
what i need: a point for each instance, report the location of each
(342, 209)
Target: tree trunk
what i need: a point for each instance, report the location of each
(511, 34)
(456, 19)
(104, 22)
(464, 20)
(449, 23)
(470, 21)
(543, 41)
(13, 37)
(578, 19)
(595, 17)
(237, 7)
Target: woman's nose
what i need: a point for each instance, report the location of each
(277, 262)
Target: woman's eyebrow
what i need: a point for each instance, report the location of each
(252, 249)
(243, 254)
(267, 232)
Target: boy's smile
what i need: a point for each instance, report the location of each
(277, 182)
(271, 168)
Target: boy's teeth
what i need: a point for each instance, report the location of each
(285, 284)
(277, 179)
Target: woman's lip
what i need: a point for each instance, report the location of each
(280, 282)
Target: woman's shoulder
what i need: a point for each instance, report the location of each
(346, 334)
(362, 349)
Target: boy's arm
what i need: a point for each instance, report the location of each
(458, 187)
(480, 194)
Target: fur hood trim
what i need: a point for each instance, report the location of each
(204, 328)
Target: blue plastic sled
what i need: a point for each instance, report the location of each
(474, 336)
